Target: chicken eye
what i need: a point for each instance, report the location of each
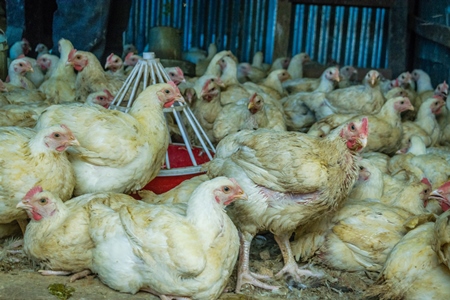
(43, 201)
(352, 127)
(101, 98)
(171, 74)
(402, 102)
(330, 72)
(403, 77)
(21, 64)
(57, 135)
(435, 103)
(167, 91)
(361, 168)
(226, 189)
(347, 68)
(426, 191)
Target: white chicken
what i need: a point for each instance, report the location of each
(171, 251)
(118, 152)
(29, 158)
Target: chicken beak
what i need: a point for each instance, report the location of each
(73, 142)
(250, 105)
(23, 205)
(362, 142)
(107, 65)
(31, 70)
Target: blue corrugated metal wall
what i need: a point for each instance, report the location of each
(347, 35)
(242, 26)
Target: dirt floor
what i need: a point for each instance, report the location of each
(19, 280)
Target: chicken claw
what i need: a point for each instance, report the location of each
(290, 265)
(244, 274)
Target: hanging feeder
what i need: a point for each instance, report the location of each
(183, 160)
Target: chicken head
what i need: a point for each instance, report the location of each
(169, 95)
(256, 103)
(103, 98)
(403, 104)
(176, 74)
(131, 59)
(38, 204)
(113, 62)
(209, 90)
(60, 138)
(355, 133)
(332, 74)
(226, 194)
(442, 194)
(78, 60)
(21, 66)
(372, 77)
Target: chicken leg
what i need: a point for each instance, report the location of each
(163, 297)
(290, 265)
(73, 278)
(244, 274)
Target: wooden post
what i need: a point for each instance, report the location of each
(399, 37)
(283, 29)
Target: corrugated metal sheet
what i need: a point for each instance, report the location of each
(242, 26)
(347, 35)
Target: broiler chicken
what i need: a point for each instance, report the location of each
(361, 234)
(272, 85)
(412, 269)
(29, 158)
(60, 87)
(360, 99)
(91, 77)
(203, 64)
(296, 64)
(132, 147)
(248, 113)
(57, 237)
(207, 105)
(17, 73)
(114, 65)
(290, 183)
(48, 64)
(385, 126)
(299, 119)
(171, 253)
(233, 91)
(41, 49)
(425, 125)
(19, 48)
(348, 76)
(442, 238)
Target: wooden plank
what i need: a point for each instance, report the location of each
(364, 3)
(399, 37)
(432, 31)
(283, 28)
(313, 70)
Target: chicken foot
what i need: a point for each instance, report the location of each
(244, 274)
(73, 278)
(290, 265)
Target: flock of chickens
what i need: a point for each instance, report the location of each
(353, 173)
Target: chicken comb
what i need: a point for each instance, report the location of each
(252, 97)
(445, 186)
(108, 93)
(173, 85)
(130, 54)
(426, 181)
(109, 57)
(365, 125)
(33, 191)
(179, 71)
(72, 54)
(21, 56)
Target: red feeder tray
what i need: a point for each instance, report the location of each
(180, 170)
